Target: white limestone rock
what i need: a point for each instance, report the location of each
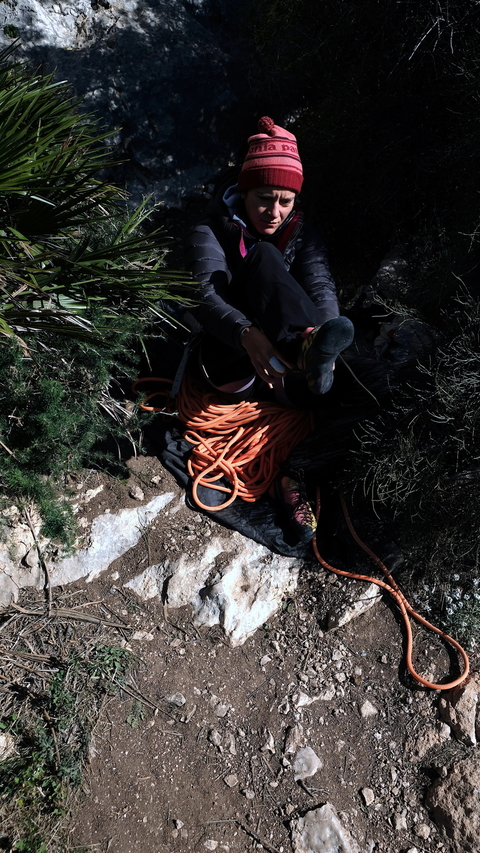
(320, 831)
(306, 763)
(7, 746)
(460, 708)
(235, 583)
(111, 536)
(358, 598)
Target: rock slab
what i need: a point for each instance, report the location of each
(235, 583)
(460, 708)
(453, 803)
(320, 831)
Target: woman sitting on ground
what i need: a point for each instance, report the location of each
(267, 300)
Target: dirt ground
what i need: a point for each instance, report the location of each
(212, 768)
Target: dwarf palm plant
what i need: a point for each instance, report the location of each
(80, 278)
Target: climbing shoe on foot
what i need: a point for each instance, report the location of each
(291, 495)
(321, 348)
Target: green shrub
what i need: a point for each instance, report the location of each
(80, 283)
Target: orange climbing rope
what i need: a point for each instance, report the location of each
(244, 443)
(405, 608)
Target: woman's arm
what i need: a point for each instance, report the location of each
(207, 262)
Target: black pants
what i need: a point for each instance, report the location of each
(275, 303)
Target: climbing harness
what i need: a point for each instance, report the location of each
(244, 443)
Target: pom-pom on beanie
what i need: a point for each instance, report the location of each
(272, 159)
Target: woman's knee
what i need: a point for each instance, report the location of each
(263, 258)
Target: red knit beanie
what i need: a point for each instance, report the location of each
(272, 159)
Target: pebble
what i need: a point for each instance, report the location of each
(221, 710)
(231, 780)
(250, 795)
(215, 737)
(293, 739)
(400, 822)
(306, 763)
(368, 710)
(230, 740)
(136, 493)
(142, 635)
(269, 745)
(177, 699)
(422, 830)
(368, 796)
(327, 695)
(210, 844)
(266, 659)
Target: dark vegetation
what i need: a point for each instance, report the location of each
(80, 280)
(384, 97)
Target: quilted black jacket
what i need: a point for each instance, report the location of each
(213, 255)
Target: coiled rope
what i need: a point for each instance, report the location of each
(245, 444)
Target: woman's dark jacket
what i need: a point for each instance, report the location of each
(215, 249)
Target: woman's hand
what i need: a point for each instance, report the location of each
(261, 353)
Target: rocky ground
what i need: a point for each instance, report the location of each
(236, 747)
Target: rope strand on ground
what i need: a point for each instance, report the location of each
(405, 608)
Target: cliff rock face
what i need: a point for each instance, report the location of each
(161, 74)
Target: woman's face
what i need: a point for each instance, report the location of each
(268, 207)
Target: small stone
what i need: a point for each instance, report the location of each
(184, 833)
(7, 746)
(156, 480)
(221, 710)
(289, 808)
(136, 493)
(301, 699)
(423, 831)
(400, 822)
(321, 830)
(177, 699)
(266, 659)
(327, 695)
(293, 739)
(215, 737)
(368, 710)
(368, 796)
(142, 635)
(250, 795)
(269, 745)
(210, 844)
(178, 823)
(306, 763)
(230, 740)
(231, 780)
